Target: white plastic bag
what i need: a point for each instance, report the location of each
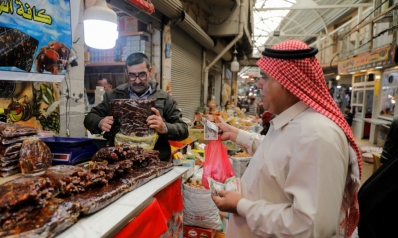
(200, 210)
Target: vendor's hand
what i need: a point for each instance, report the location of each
(106, 123)
(227, 132)
(156, 122)
(227, 201)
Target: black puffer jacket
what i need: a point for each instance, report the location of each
(165, 104)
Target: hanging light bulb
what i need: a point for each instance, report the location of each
(235, 63)
(337, 77)
(100, 26)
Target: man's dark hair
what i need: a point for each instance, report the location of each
(107, 80)
(348, 107)
(137, 58)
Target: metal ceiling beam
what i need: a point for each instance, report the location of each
(315, 7)
(287, 34)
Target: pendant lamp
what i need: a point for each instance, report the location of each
(235, 63)
(100, 26)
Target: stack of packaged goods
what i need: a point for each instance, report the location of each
(11, 138)
(138, 43)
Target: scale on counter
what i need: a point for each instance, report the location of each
(71, 151)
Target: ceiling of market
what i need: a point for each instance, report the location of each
(280, 20)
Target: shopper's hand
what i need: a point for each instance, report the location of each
(106, 123)
(227, 132)
(156, 122)
(227, 201)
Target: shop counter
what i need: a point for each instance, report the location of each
(113, 218)
(374, 130)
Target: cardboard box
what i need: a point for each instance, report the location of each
(197, 133)
(231, 145)
(128, 24)
(197, 232)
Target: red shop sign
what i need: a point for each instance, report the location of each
(146, 5)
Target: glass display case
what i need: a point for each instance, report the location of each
(388, 94)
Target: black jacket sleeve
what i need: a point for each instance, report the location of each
(93, 118)
(177, 128)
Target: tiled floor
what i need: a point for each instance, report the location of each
(367, 168)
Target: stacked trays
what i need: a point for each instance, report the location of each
(11, 138)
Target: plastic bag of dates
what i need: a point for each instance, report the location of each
(35, 156)
(131, 115)
(147, 142)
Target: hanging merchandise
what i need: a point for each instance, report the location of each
(145, 5)
(35, 40)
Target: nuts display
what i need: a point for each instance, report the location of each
(241, 154)
(195, 183)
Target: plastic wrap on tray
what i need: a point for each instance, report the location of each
(139, 177)
(9, 163)
(6, 150)
(4, 158)
(162, 167)
(35, 156)
(21, 195)
(13, 140)
(17, 49)
(146, 142)
(25, 190)
(10, 172)
(98, 198)
(131, 116)
(8, 130)
(9, 167)
(48, 221)
(73, 179)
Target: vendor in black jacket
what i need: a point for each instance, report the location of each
(167, 119)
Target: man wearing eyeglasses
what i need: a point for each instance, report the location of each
(167, 119)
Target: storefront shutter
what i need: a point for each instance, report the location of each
(186, 72)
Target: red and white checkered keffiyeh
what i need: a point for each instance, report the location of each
(304, 78)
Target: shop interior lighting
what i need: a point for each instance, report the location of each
(352, 72)
(378, 67)
(245, 76)
(377, 76)
(363, 70)
(337, 77)
(235, 63)
(338, 86)
(100, 26)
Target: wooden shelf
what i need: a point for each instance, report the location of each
(105, 64)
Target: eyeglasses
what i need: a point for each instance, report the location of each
(140, 75)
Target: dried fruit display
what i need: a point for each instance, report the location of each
(35, 156)
(52, 58)
(73, 179)
(19, 196)
(132, 115)
(7, 150)
(17, 49)
(54, 217)
(8, 130)
(98, 198)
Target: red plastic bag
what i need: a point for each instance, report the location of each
(217, 165)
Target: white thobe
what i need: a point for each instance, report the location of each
(294, 184)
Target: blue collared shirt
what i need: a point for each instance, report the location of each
(144, 95)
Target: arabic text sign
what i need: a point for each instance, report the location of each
(35, 37)
(372, 59)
